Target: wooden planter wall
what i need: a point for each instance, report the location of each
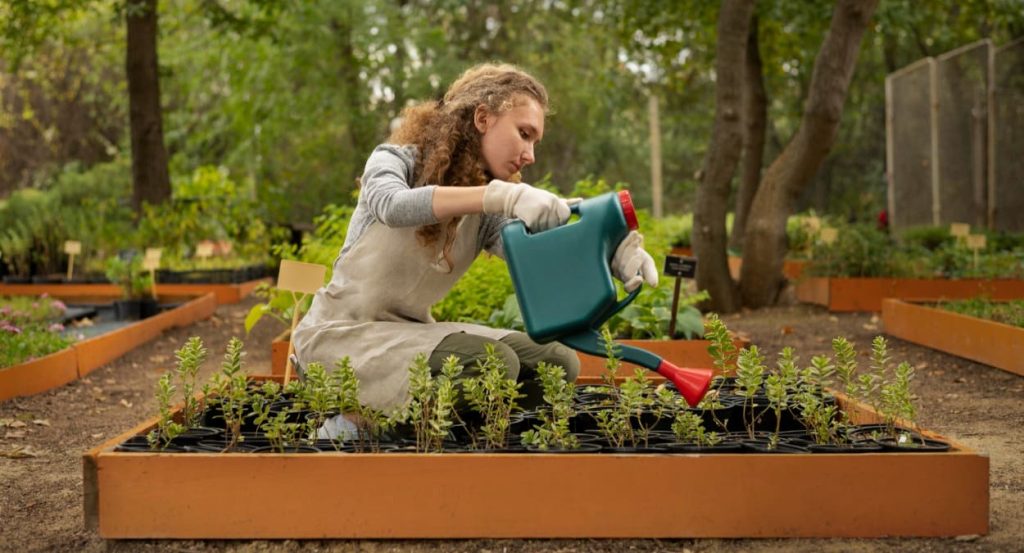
(996, 344)
(349, 495)
(224, 293)
(866, 294)
(81, 358)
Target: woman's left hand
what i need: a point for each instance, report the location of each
(632, 264)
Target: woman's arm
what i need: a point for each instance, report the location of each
(452, 201)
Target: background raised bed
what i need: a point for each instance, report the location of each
(996, 344)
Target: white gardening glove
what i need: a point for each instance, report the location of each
(632, 265)
(537, 209)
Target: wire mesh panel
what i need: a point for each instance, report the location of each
(1008, 134)
(962, 85)
(910, 147)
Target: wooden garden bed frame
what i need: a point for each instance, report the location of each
(349, 495)
(866, 294)
(81, 358)
(996, 344)
(224, 293)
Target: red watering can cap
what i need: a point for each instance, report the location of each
(628, 210)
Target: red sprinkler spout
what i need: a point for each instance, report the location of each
(691, 383)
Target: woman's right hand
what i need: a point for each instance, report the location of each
(538, 209)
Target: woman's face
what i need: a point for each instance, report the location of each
(508, 138)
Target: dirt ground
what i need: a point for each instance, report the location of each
(41, 496)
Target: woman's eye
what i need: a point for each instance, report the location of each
(524, 134)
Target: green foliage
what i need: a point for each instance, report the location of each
(559, 395)
(128, 274)
(859, 251)
(1006, 312)
(750, 371)
(927, 237)
(846, 364)
(897, 401)
(77, 205)
(688, 427)
(28, 329)
(649, 315)
(229, 390)
(493, 395)
(190, 357)
(166, 427)
(863, 251)
(207, 205)
(479, 293)
(431, 406)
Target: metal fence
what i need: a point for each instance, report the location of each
(955, 139)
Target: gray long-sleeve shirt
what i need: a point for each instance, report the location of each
(387, 195)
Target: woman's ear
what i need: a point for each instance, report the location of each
(480, 118)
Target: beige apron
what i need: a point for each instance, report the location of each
(376, 309)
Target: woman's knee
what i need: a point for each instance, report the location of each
(531, 354)
(472, 352)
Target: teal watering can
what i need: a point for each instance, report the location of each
(564, 285)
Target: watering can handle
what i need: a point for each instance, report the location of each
(625, 301)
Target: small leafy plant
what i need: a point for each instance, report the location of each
(190, 356)
(166, 427)
(749, 379)
(128, 274)
(553, 432)
(431, 408)
(229, 389)
(493, 395)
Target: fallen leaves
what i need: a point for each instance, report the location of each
(126, 403)
(20, 452)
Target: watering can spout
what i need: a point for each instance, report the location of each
(691, 383)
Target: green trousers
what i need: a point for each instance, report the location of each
(521, 356)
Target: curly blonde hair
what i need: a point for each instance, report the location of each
(447, 139)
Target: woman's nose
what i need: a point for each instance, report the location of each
(528, 155)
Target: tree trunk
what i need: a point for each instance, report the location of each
(755, 109)
(761, 276)
(722, 157)
(150, 180)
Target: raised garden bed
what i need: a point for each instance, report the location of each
(843, 294)
(682, 353)
(469, 495)
(989, 342)
(85, 356)
(224, 293)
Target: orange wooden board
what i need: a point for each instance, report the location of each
(866, 294)
(996, 344)
(225, 293)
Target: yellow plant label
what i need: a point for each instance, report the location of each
(151, 263)
(959, 229)
(813, 223)
(829, 235)
(297, 276)
(72, 247)
(204, 249)
(976, 241)
(154, 253)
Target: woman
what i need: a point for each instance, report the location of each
(430, 200)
